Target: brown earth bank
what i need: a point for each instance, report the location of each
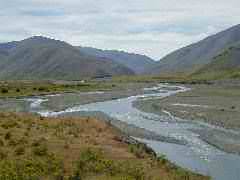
(33, 147)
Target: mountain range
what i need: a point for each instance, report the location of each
(44, 58)
(138, 63)
(217, 56)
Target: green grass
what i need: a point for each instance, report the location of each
(168, 78)
(224, 66)
(217, 74)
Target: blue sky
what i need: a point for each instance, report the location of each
(151, 27)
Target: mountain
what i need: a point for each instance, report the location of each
(138, 63)
(195, 56)
(224, 65)
(44, 58)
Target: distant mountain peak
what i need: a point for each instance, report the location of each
(41, 39)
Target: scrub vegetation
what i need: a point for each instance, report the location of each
(33, 147)
(30, 88)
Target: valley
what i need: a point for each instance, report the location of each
(73, 112)
(162, 132)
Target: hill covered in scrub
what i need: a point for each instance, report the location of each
(224, 65)
(34, 147)
(190, 59)
(43, 58)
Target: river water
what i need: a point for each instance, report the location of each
(195, 154)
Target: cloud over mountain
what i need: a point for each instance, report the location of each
(150, 27)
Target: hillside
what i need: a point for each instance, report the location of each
(138, 63)
(43, 58)
(34, 147)
(195, 56)
(225, 65)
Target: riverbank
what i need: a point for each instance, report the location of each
(68, 147)
(217, 104)
(20, 89)
(59, 100)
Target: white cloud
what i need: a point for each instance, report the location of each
(151, 27)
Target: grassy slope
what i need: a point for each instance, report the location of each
(198, 54)
(46, 148)
(225, 66)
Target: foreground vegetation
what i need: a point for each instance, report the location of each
(32, 147)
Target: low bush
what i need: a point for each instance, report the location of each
(31, 169)
(20, 150)
(92, 162)
(9, 124)
(42, 89)
(3, 154)
(4, 90)
(1, 143)
(41, 150)
(8, 136)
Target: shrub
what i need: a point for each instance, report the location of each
(4, 90)
(9, 124)
(42, 89)
(31, 168)
(92, 162)
(1, 143)
(12, 142)
(137, 150)
(39, 142)
(17, 90)
(3, 154)
(23, 141)
(20, 150)
(41, 150)
(162, 159)
(8, 135)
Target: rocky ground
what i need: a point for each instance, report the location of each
(217, 104)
